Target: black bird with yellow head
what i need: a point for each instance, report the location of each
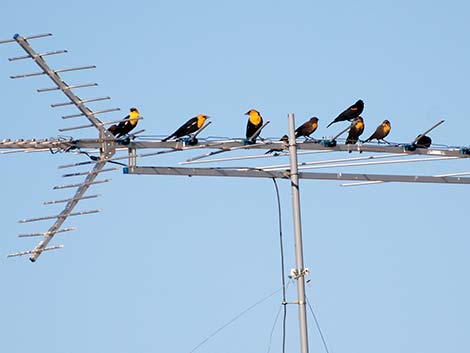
(307, 128)
(351, 113)
(189, 127)
(381, 132)
(126, 125)
(255, 122)
(356, 130)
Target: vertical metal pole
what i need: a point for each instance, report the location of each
(132, 159)
(294, 177)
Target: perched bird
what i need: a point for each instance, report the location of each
(192, 125)
(284, 139)
(356, 130)
(423, 142)
(381, 132)
(351, 113)
(307, 128)
(255, 121)
(126, 125)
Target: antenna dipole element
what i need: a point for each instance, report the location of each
(299, 257)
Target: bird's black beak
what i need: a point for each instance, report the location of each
(248, 112)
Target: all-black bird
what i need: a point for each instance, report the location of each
(307, 128)
(351, 113)
(284, 139)
(381, 132)
(192, 125)
(356, 130)
(423, 142)
(255, 121)
(126, 125)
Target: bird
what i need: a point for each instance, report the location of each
(381, 132)
(284, 139)
(126, 125)
(307, 128)
(255, 121)
(423, 141)
(351, 113)
(356, 130)
(192, 125)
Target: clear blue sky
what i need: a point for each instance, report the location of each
(170, 260)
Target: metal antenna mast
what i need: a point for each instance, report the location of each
(299, 256)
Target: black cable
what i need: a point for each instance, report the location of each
(318, 325)
(283, 271)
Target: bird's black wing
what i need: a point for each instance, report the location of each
(187, 128)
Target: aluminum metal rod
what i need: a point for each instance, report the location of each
(40, 90)
(75, 68)
(226, 149)
(41, 55)
(55, 105)
(71, 199)
(86, 173)
(428, 130)
(299, 259)
(283, 166)
(342, 132)
(380, 182)
(58, 187)
(241, 158)
(94, 113)
(258, 173)
(27, 75)
(28, 220)
(35, 252)
(329, 164)
(76, 127)
(63, 230)
(37, 36)
(400, 161)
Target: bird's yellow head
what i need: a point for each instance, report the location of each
(386, 125)
(134, 116)
(252, 112)
(201, 119)
(358, 122)
(255, 116)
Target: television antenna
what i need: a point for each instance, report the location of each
(107, 146)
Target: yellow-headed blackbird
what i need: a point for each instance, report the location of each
(284, 139)
(423, 142)
(381, 132)
(127, 125)
(351, 113)
(255, 121)
(356, 130)
(307, 128)
(192, 125)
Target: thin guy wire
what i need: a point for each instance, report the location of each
(234, 319)
(318, 326)
(283, 274)
(272, 329)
